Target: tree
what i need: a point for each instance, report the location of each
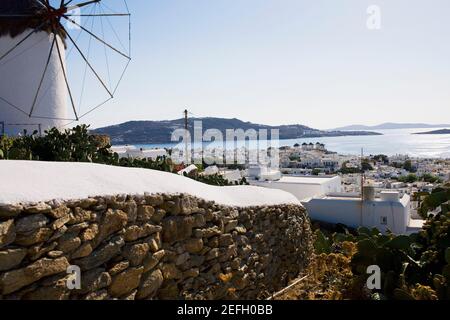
(397, 165)
(381, 158)
(346, 170)
(365, 165)
(410, 178)
(408, 166)
(430, 178)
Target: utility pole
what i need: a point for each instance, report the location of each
(186, 132)
(361, 217)
(362, 175)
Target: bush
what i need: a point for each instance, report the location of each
(77, 145)
(437, 197)
(430, 178)
(410, 178)
(412, 267)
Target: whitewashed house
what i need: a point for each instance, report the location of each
(389, 211)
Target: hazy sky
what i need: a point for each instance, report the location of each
(313, 62)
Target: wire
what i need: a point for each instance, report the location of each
(67, 58)
(66, 80)
(43, 74)
(90, 66)
(106, 55)
(96, 37)
(113, 11)
(79, 35)
(23, 40)
(121, 77)
(21, 53)
(114, 31)
(86, 66)
(100, 15)
(13, 105)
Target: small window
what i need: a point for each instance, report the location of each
(384, 220)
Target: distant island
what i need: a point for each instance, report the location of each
(392, 125)
(442, 131)
(152, 132)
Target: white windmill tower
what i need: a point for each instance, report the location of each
(36, 86)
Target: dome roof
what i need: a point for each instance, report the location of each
(11, 21)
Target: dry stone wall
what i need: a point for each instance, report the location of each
(150, 247)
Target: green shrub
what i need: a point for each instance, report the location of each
(410, 178)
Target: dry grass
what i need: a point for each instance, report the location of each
(330, 277)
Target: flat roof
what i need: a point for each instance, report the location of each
(341, 198)
(305, 179)
(352, 197)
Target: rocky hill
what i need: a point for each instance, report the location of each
(442, 131)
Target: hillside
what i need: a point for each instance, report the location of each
(443, 131)
(148, 132)
(392, 125)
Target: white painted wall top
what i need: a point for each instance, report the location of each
(35, 181)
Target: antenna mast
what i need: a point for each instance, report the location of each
(186, 135)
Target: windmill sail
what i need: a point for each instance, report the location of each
(59, 60)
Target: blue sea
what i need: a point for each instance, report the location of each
(392, 142)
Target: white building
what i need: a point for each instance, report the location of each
(303, 187)
(211, 170)
(138, 153)
(330, 162)
(188, 170)
(397, 185)
(233, 175)
(311, 161)
(389, 211)
(21, 72)
(263, 173)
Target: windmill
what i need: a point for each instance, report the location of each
(59, 60)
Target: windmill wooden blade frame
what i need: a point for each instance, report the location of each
(81, 15)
